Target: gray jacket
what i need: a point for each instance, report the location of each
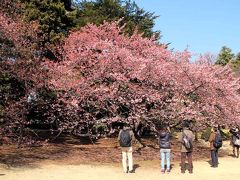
(190, 135)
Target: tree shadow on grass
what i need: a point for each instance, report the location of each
(12, 157)
(59, 149)
(75, 140)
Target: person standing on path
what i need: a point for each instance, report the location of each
(186, 138)
(165, 148)
(126, 139)
(235, 141)
(215, 138)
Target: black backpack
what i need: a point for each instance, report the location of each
(217, 143)
(125, 138)
(186, 142)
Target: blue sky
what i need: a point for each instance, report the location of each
(200, 25)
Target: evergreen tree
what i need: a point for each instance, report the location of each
(225, 56)
(134, 18)
(237, 58)
(57, 17)
(236, 63)
(52, 16)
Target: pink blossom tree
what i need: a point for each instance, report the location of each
(104, 77)
(20, 73)
(107, 76)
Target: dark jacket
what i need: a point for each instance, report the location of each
(164, 140)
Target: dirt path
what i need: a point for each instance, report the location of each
(228, 169)
(70, 163)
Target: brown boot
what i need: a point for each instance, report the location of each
(183, 168)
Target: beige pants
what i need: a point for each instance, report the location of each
(127, 156)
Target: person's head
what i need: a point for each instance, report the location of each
(126, 126)
(163, 128)
(215, 127)
(185, 124)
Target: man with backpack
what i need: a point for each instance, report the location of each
(186, 138)
(126, 139)
(215, 141)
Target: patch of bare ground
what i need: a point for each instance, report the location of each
(74, 151)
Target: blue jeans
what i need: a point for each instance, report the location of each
(214, 157)
(165, 154)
